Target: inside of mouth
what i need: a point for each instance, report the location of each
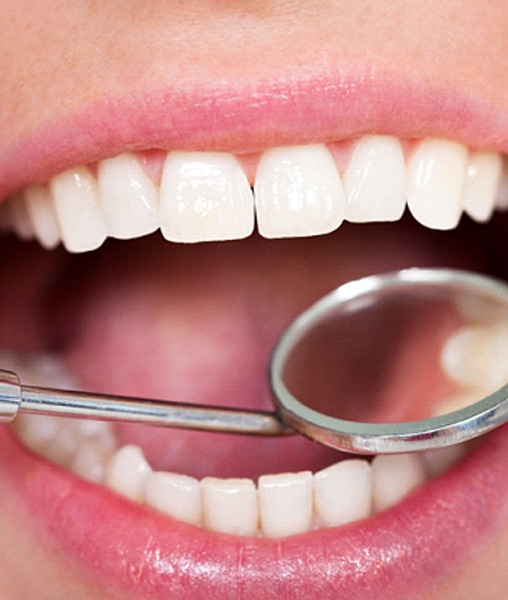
(197, 323)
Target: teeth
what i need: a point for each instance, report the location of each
(375, 180)
(298, 192)
(475, 357)
(127, 471)
(343, 492)
(482, 182)
(128, 197)
(178, 496)
(395, 476)
(77, 208)
(436, 176)
(42, 214)
(230, 505)
(205, 196)
(285, 503)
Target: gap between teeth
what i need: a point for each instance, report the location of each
(279, 505)
(297, 191)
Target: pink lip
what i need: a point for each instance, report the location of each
(251, 118)
(133, 552)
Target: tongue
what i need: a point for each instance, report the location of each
(197, 324)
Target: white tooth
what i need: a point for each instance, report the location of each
(90, 461)
(482, 182)
(285, 503)
(475, 356)
(230, 505)
(502, 191)
(438, 461)
(394, 477)
(343, 492)
(64, 446)
(19, 218)
(178, 496)
(457, 402)
(298, 192)
(128, 197)
(76, 201)
(36, 431)
(436, 176)
(39, 204)
(126, 472)
(205, 196)
(375, 180)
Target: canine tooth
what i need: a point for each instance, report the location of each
(178, 496)
(42, 214)
(205, 196)
(230, 505)
(76, 200)
(436, 176)
(394, 477)
(440, 460)
(298, 192)
(475, 356)
(343, 492)
(285, 503)
(375, 180)
(482, 182)
(126, 472)
(128, 197)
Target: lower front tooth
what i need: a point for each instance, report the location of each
(128, 197)
(285, 503)
(298, 192)
(178, 496)
(126, 472)
(436, 176)
(343, 492)
(394, 477)
(76, 200)
(230, 505)
(205, 196)
(375, 180)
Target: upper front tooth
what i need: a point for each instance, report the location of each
(395, 476)
(77, 208)
(482, 182)
(436, 176)
(375, 180)
(42, 213)
(128, 197)
(205, 196)
(298, 192)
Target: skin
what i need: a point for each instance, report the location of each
(52, 63)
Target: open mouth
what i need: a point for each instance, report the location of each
(196, 323)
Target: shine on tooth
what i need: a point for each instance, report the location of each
(298, 192)
(76, 200)
(285, 503)
(205, 196)
(394, 477)
(128, 197)
(375, 180)
(126, 472)
(343, 492)
(436, 177)
(230, 505)
(482, 183)
(178, 496)
(42, 213)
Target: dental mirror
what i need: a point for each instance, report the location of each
(401, 362)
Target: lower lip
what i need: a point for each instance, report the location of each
(132, 551)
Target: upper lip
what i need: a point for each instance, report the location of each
(249, 119)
